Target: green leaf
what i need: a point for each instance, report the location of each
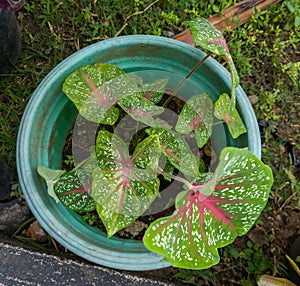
(177, 151)
(95, 89)
(230, 117)
(141, 109)
(168, 168)
(205, 221)
(51, 177)
(235, 81)
(74, 190)
(197, 116)
(154, 91)
(207, 36)
(210, 38)
(124, 186)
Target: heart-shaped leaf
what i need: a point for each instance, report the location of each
(202, 223)
(124, 186)
(207, 36)
(95, 89)
(177, 151)
(141, 109)
(197, 116)
(210, 38)
(154, 91)
(74, 190)
(230, 117)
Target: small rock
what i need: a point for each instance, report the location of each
(253, 99)
(36, 232)
(258, 236)
(168, 34)
(278, 221)
(12, 215)
(135, 228)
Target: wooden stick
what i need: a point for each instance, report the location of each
(232, 17)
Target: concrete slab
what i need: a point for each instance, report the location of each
(20, 266)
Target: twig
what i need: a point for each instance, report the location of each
(185, 79)
(134, 14)
(286, 201)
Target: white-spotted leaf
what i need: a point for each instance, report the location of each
(197, 116)
(202, 223)
(207, 36)
(177, 151)
(141, 109)
(235, 81)
(210, 38)
(94, 89)
(230, 117)
(74, 190)
(154, 91)
(124, 186)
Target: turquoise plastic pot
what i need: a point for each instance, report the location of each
(49, 116)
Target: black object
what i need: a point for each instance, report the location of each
(11, 6)
(293, 253)
(10, 41)
(288, 145)
(7, 174)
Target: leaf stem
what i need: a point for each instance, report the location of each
(185, 79)
(176, 178)
(218, 122)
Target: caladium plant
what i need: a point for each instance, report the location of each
(121, 180)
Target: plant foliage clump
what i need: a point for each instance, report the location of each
(212, 208)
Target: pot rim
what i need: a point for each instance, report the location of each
(55, 219)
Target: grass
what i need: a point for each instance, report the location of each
(266, 53)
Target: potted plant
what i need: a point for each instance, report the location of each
(129, 74)
(10, 36)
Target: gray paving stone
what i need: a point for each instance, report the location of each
(20, 266)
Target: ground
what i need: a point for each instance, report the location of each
(266, 53)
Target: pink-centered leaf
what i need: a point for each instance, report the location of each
(95, 89)
(73, 188)
(207, 36)
(231, 117)
(210, 38)
(177, 151)
(124, 186)
(197, 116)
(141, 109)
(211, 214)
(154, 91)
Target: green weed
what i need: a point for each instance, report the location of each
(255, 262)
